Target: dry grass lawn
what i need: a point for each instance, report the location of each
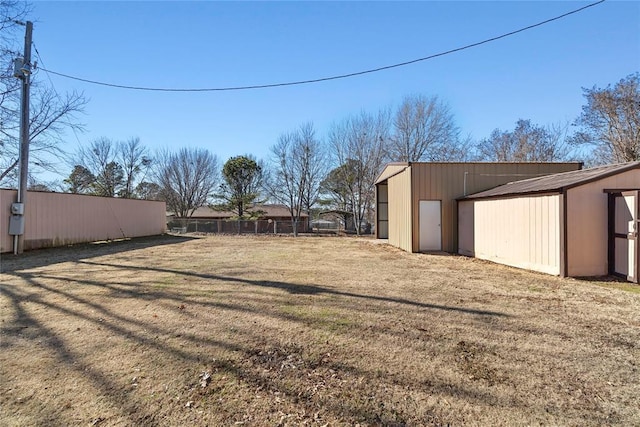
(226, 330)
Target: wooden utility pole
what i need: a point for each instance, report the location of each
(24, 74)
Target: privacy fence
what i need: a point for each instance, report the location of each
(58, 219)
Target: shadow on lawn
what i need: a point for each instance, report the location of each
(25, 326)
(197, 352)
(42, 257)
(304, 289)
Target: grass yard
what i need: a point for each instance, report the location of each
(267, 330)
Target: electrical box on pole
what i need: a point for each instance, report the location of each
(18, 64)
(16, 225)
(17, 209)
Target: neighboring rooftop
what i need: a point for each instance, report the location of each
(270, 211)
(555, 183)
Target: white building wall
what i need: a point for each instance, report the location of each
(521, 232)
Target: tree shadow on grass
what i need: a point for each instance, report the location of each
(43, 257)
(303, 289)
(249, 369)
(144, 333)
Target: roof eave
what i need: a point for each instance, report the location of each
(559, 190)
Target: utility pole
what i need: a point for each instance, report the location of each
(24, 74)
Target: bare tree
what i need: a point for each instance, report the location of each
(423, 129)
(315, 161)
(100, 158)
(187, 178)
(526, 143)
(610, 121)
(149, 191)
(461, 149)
(51, 114)
(285, 182)
(108, 168)
(359, 141)
(135, 161)
(298, 166)
(335, 189)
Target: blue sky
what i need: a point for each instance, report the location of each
(535, 75)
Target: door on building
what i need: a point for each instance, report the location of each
(430, 225)
(625, 226)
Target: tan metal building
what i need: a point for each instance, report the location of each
(416, 202)
(58, 219)
(582, 223)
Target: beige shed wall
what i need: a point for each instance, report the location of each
(391, 169)
(521, 232)
(399, 209)
(56, 219)
(587, 223)
(446, 182)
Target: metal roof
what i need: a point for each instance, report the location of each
(555, 183)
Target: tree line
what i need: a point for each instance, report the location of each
(336, 172)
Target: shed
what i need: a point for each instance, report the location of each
(582, 223)
(416, 202)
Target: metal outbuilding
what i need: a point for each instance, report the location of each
(416, 202)
(582, 223)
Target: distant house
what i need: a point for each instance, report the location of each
(272, 219)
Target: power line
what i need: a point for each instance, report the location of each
(54, 88)
(324, 79)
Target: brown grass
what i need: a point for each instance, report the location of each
(307, 331)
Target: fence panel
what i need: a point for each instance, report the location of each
(185, 225)
(58, 219)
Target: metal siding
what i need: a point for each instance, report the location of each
(587, 223)
(521, 232)
(6, 198)
(446, 182)
(56, 219)
(555, 183)
(391, 169)
(399, 208)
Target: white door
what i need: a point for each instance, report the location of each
(632, 200)
(430, 225)
(625, 238)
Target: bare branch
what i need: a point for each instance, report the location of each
(187, 179)
(610, 121)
